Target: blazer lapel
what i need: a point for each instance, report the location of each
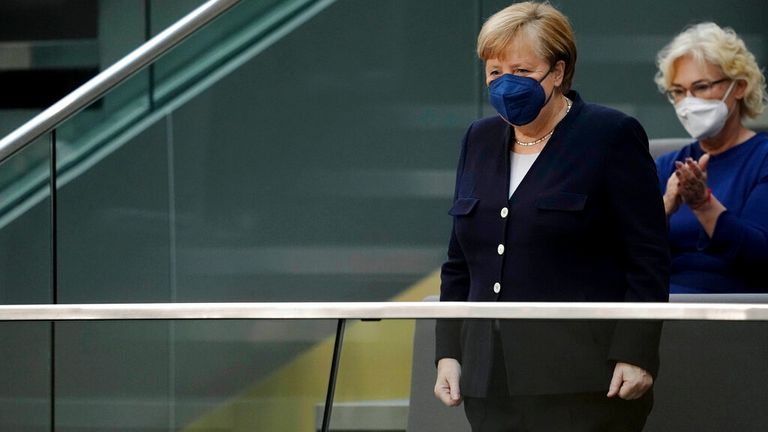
(535, 175)
(547, 158)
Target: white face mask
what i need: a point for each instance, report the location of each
(703, 118)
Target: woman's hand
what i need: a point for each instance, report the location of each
(447, 385)
(629, 381)
(672, 198)
(692, 186)
(693, 190)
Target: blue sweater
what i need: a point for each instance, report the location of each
(735, 259)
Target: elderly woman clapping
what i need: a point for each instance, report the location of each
(716, 188)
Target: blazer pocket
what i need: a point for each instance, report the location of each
(564, 201)
(463, 206)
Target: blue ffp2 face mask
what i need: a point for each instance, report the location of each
(518, 100)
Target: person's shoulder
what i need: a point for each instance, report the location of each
(612, 121)
(761, 142)
(753, 152)
(593, 111)
(605, 112)
(609, 129)
(761, 151)
(604, 121)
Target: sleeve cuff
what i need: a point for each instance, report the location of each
(447, 344)
(637, 343)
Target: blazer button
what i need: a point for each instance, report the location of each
(497, 287)
(500, 249)
(504, 212)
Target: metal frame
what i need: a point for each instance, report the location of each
(386, 310)
(333, 375)
(112, 76)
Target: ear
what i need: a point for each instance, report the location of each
(739, 89)
(558, 71)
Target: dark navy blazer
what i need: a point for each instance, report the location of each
(587, 223)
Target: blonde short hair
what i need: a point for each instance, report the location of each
(542, 23)
(709, 43)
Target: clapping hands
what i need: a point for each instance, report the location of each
(688, 184)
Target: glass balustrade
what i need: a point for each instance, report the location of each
(25, 278)
(241, 375)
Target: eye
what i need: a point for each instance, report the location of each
(700, 88)
(521, 71)
(676, 92)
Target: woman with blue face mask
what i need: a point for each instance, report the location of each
(556, 199)
(716, 188)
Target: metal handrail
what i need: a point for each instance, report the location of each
(386, 310)
(111, 77)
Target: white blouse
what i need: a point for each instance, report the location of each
(520, 164)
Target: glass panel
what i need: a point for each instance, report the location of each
(373, 390)
(250, 375)
(272, 375)
(425, 412)
(712, 376)
(322, 169)
(162, 14)
(112, 376)
(43, 63)
(191, 375)
(90, 135)
(93, 133)
(113, 233)
(229, 35)
(25, 277)
(25, 225)
(25, 379)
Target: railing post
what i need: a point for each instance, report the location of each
(334, 372)
(54, 274)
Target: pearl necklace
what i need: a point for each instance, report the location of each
(545, 137)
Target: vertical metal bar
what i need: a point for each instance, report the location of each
(54, 228)
(54, 272)
(480, 68)
(334, 372)
(151, 67)
(171, 164)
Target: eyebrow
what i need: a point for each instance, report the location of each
(518, 65)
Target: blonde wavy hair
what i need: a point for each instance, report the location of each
(546, 27)
(709, 43)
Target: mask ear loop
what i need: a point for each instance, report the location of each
(553, 88)
(728, 93)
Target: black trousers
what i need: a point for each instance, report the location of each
(584, 412)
